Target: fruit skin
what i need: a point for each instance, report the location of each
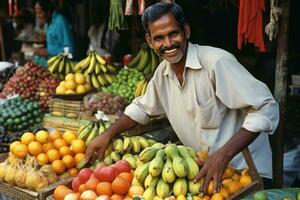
(150, 181)
(179, 165)
(144, 143)
(261, 195)
(194, 188)
(168, 173)
(157, 164)
(148, 154)
(180, 187)
(141, 172)
(136, 146)
(149, 193)
(162, 188)
(192, 166)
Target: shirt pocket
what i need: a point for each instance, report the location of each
(208, 115)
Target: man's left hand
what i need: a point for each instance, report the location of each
(212, 169)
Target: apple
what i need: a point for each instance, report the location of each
(122, 166)
(106, 173)
(127, 59)
(85, 174)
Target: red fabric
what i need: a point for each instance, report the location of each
(250, 23)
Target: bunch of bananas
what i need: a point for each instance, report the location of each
(91, 130)
(60, 65)
(126, 148)
(96, 70)
(146, 61)
(141, 88)
(164, 169)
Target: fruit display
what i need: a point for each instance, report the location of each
(32, 82)
(127, 148)
(106, 102)
(62, 151)
(17, 114)
(60, 65)
(96, 70)
(146, 61)
(125, 84)
(26, 173)
(89, 131)
(73, 84)
(169, 169)
(5, 140)
(141, 88)
(5, 74)
(106, 182)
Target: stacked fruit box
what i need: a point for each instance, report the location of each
(67, 108)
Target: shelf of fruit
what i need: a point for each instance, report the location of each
(162, 171)
(32, 82)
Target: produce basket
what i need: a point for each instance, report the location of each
(68, 108)
(24, 194)
(62, 123)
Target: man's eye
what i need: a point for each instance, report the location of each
(158, 38)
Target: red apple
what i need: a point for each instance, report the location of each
(122, 166)
(85, 174)
(75, 184)
(107, 173)
(127, 59)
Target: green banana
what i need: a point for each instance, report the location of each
(192, 166)
(149, 193)
(101, 80)
(143, 61)
(109, 78)
(111, 68)
(141, 172)
(84, 134)
(118, 145)
(108, 160)
(168, 174)
(157, 164)
(154, 60)
(150, 181)
(162, 189)
(101, 128)
(115, 156)
(51, 60)
(93, 134)
(148, 154)
(136, 59)
(136, 147)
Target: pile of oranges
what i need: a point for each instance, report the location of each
(62, 150)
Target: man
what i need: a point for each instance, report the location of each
(59, 33)
(208, 97)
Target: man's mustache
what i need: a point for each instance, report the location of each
(174, 46)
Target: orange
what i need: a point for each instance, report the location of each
(20, 150)
(224, 192)
(78, 146)
(61, 89)
(217, 196)
(81, 188)
(79, 157)
(79, 78)
(27, 138)
(73, 171)
(53, 154)
(69, 136)
(236, 177)
(91, 184)
(117, 197)
(58, 143)
(245, 180)
(62, 83)
(206, 197)
(210, 188)
(104, 188)
(80, 89)
(55, 135)
(65, 150)
(244, 172)
(70, 85)
(68, 161)
(58, 166)
(34, 148)
(60, 192)
(13, 145)
(127, 176)
(135, 190)
(42, 158)
(228, 172)
(47, 146)
(120, 186)
(42, 136)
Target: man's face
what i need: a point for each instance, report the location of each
(42, 15)
(167, 38)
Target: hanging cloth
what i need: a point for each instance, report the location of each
(250, 27)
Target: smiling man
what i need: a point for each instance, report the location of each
(208, 97)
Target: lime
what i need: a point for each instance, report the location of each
(260, 196)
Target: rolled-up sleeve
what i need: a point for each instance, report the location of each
(143, 107)
(238, 89)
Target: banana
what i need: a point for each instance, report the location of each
(97, 68)
(192, 152)
(149, 193)
(103, 68)
(92, 64)
(144, 143)
(68, 67)
(157, 164)
(195, 188)
(151, 141)
(162, 189)
(87, 78)
(111, 68)
(101, 128)
(101, 80)
(115, 156)
(192, 166)
(100, 59)
(51, 60)
(84, 134)
(168, 174)
(139, 88)
(144, 88)
(136, 59)
(62, 65)
(118, 145)
(83, 64)
(110, 148)
(108, 160)
(95, 82)
(127, 143)
(150, 181)
(148, 154)
(143, 61)
(82, 127)
(158, 145)
(54, 67)
(93, 134)
(147, 68)
(141, 172)
(180, 187)
(136, 147)
(154, 60)
(108, 78)
(130, 159)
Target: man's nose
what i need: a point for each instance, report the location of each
(167, 42)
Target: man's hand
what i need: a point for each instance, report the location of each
(213, 169)
(98, 145)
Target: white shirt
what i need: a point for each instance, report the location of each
(218, 97)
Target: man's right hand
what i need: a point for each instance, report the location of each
(98, 145)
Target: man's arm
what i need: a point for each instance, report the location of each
(215, 165)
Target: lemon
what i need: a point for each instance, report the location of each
(79, 78)
(81, 89)
(70, 77)
(70, 92)
(60, 89)
(71, 85)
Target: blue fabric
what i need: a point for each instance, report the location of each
(59, 35)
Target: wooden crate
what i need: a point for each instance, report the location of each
(66, 108)
(257, 183)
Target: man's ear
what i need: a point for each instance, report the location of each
(187, 31)
(148, 39)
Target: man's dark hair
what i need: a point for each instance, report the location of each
(46, 5)
(157, 10)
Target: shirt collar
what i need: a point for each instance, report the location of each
(192, 60)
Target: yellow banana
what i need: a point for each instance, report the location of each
(143, 141)
(103, 68)
(62, 65)
(144, 88)
(136, 147)
(83, 64)
(51, 60)
(95, 82)
(91, 67)
(111, 68)
(118, 145)
(54, 66)
(97, 68)
(127, 144)
(68, 68)
(108, 78)
(101, 80)
(100, 59)
(139, 88)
